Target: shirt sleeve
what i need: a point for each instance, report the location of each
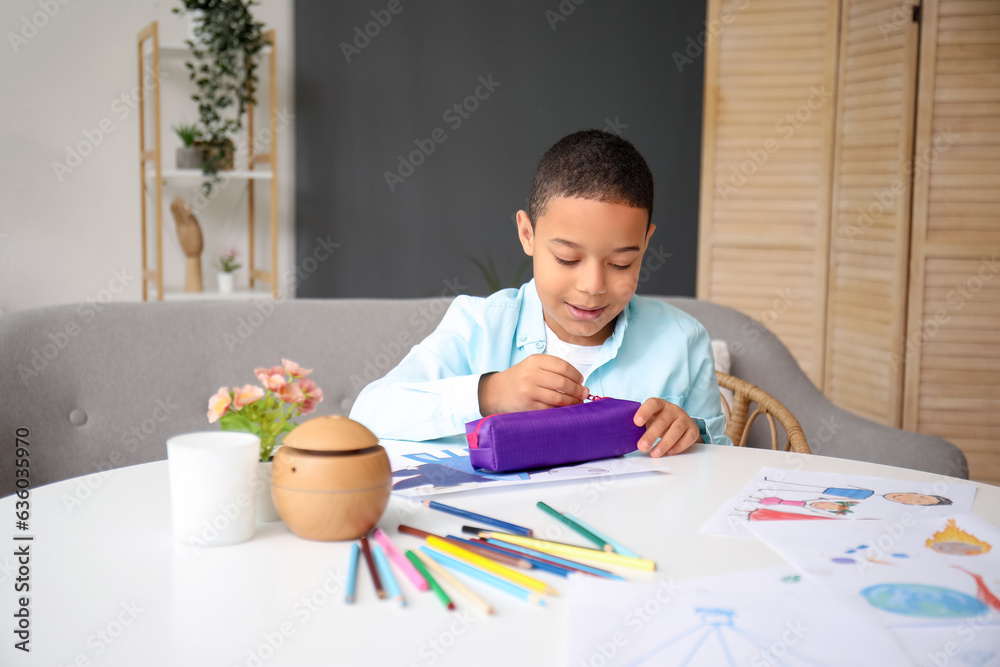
(433, 392)
(704, 403)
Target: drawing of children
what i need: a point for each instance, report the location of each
(917, 499)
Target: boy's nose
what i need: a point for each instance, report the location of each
(592, 281)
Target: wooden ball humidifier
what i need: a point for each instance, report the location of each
(331, 479)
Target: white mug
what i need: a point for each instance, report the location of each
(213, 486)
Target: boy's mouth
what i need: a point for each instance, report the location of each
(585, 313)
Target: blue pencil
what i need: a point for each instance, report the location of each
(352, 573)
(485, 577)
(509, 527)
(617, 547)
(387, 576)
(535, 563)
(556, 559)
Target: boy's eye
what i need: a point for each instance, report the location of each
(566, 262)
(620, 267)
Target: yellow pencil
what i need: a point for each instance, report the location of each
(490, 565)
(447, 577)
(572, 552)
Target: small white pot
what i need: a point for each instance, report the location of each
(266, 511)
(226, 282)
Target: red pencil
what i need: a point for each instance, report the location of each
(371, 567)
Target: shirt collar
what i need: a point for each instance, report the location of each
(531, 324)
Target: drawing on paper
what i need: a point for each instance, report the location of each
(923, 601)
(715, 637)
(982, 590)
(862, 553)
(953, 541)
(443, 471)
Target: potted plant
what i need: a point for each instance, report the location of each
(225, 48)
(227, 265)
(189, 156)
(267, 412)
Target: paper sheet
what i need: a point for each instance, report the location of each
(720, 624)
(775, 494)
(425, 469)
(913, 572)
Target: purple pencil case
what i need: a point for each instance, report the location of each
(555, 436)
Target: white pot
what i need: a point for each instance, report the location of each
(266, 511)
(226, 282)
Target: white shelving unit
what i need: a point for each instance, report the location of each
(153, 176)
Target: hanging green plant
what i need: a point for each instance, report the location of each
(225, 47)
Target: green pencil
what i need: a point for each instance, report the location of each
(575, 526)
(435, 586)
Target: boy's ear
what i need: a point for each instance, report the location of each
(649, 232)
(525, 233)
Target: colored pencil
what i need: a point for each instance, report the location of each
(352, 574)
(404, 565)
(387, 576)
(536, 563)
(574, 552)
(451, 580)
(435, 586)
(371, 567)
(465, 514)
(617, 547)
(573, 525)
(572, 564)
(491, 566)
(506, 560)
(485, 577)
(510, 560)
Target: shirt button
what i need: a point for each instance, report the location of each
(539, 345)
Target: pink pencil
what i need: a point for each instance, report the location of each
(401, 562)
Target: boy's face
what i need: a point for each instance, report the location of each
(586, 256)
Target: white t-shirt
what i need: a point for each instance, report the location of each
(581, 357)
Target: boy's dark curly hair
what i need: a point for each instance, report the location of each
(592, 164)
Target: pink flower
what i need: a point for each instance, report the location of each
(291, 393)
(218, 404)
(313, 394)
(246, 395)
(294, 369)
(273, 378)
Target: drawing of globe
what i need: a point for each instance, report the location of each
(919, 600)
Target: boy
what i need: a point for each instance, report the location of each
(576, 328)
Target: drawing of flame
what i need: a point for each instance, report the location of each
(954, 540)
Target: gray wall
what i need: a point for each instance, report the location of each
(606, 65)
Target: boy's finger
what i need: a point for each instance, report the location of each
(673, 435)
(562, 384)
(645, 412)
(690, 437)
(562, 367)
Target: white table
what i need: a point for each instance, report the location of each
(110, 586)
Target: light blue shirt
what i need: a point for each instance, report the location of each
(656, 350)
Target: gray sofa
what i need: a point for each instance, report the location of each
(102, 386)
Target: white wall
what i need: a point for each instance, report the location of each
(78, 238)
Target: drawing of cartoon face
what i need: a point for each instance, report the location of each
(916, 499)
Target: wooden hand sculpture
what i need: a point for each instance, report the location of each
(189, 234)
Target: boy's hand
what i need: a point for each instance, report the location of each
(540, 381)
(668, 422)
